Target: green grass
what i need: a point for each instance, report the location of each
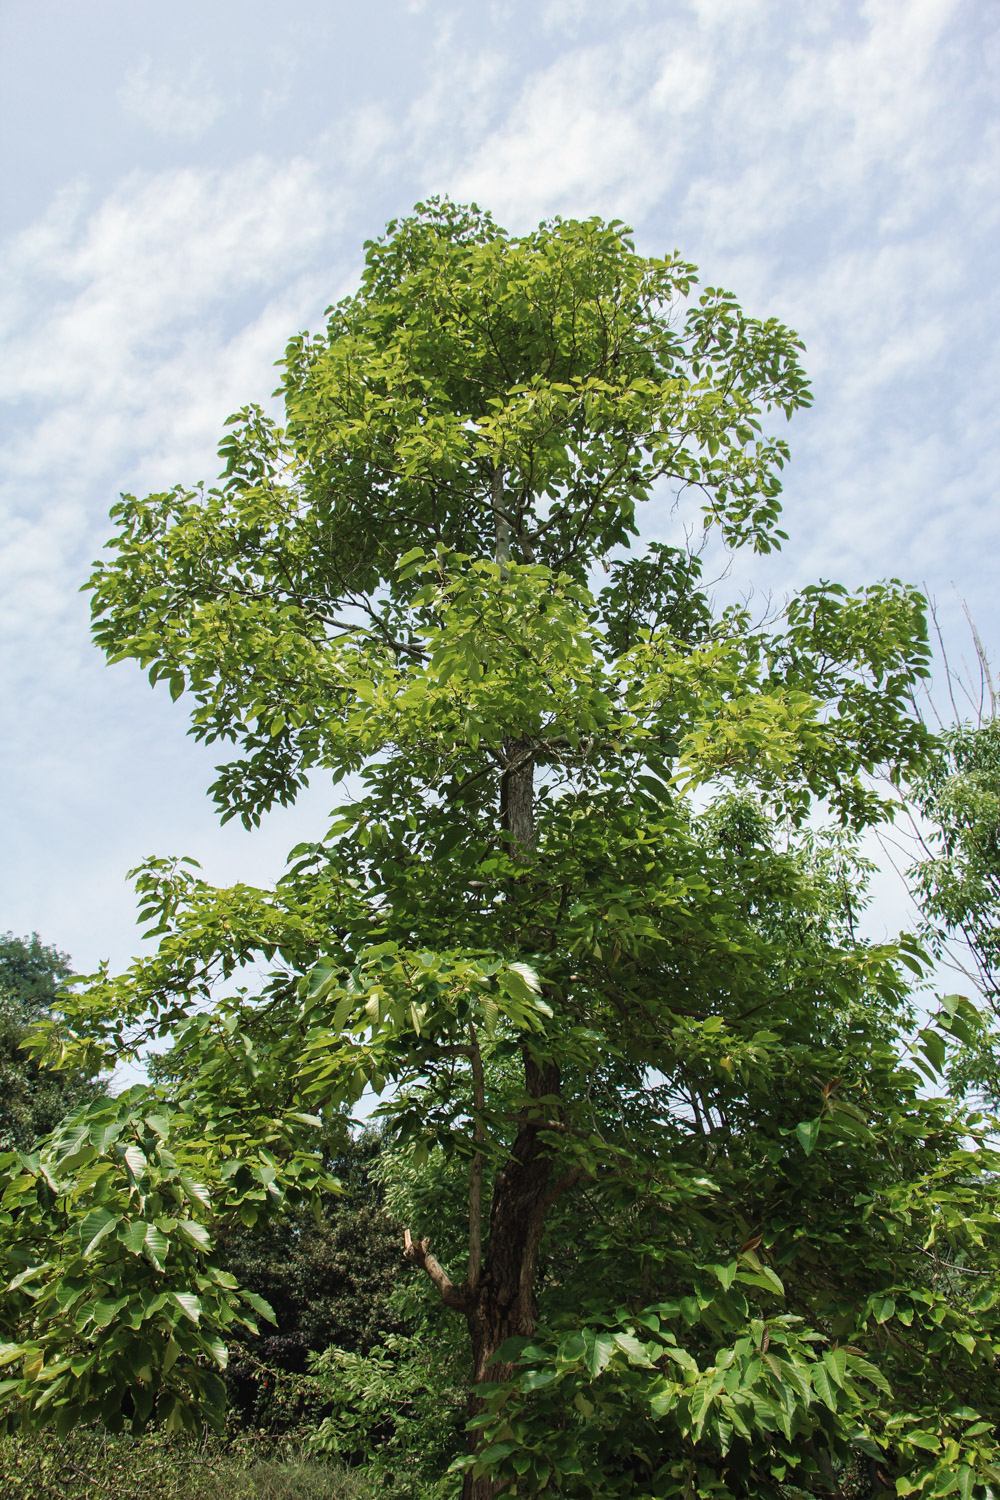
(91, 1465)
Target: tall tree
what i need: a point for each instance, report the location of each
(519, 932)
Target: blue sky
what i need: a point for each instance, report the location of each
(186, 185)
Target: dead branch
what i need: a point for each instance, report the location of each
(418, 1253)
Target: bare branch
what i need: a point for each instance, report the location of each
(418, 1253)
(985, 672)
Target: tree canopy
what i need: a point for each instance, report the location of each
(706, 1232)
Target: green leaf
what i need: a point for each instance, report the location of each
(527, 974)
(195, 1190)
(635, 1351)
(928, 1441)
(259, 1305)
(933, 1048)
(98, 1224)
(135, 1161)
(196, 1233)
(189, 1304)
(835, 1361)
(807, 1132)
(600, 1354)
(510, 1350)
(156, 1246)
(321, 979)
(725, 1274)
(105, 1309)
(868, 1371)
(822, 1385)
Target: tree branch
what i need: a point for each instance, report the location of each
(418, 1253)
(561, 1185)
(501, 524)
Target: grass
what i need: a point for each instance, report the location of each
(91, 1465)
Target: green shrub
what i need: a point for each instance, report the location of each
(400, 1411)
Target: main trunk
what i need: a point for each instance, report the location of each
(503, 1303)
(517, 796)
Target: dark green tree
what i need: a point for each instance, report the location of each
(329, 1272)
(33, 1098)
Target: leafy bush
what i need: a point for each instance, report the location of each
(33, 1099)
(399, 1410)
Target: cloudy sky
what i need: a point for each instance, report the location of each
(185, 185)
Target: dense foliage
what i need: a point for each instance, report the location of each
(33, 1098)
(329, 1277)
(661, 1145)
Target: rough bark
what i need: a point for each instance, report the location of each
(499, 1301)
(503, 1305)
(517, 796)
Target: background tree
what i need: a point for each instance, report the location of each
(521, 930)
(33, 1099)
(329, 1272)
(955, 836)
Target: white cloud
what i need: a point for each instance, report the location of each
(835, 163)
(126, 321)
(575, 141)
(182, 107)
(132, 328)
(130, 339)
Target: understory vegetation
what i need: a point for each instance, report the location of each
(91, 1465)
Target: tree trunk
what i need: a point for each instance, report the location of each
(500, 1301)
(502, 1305)
(517, 796)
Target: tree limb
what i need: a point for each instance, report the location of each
(418, 1253)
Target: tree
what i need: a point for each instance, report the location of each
(329, 1277)
(520, 932)
(954, 801)
(957, 882)
(32, 1099)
